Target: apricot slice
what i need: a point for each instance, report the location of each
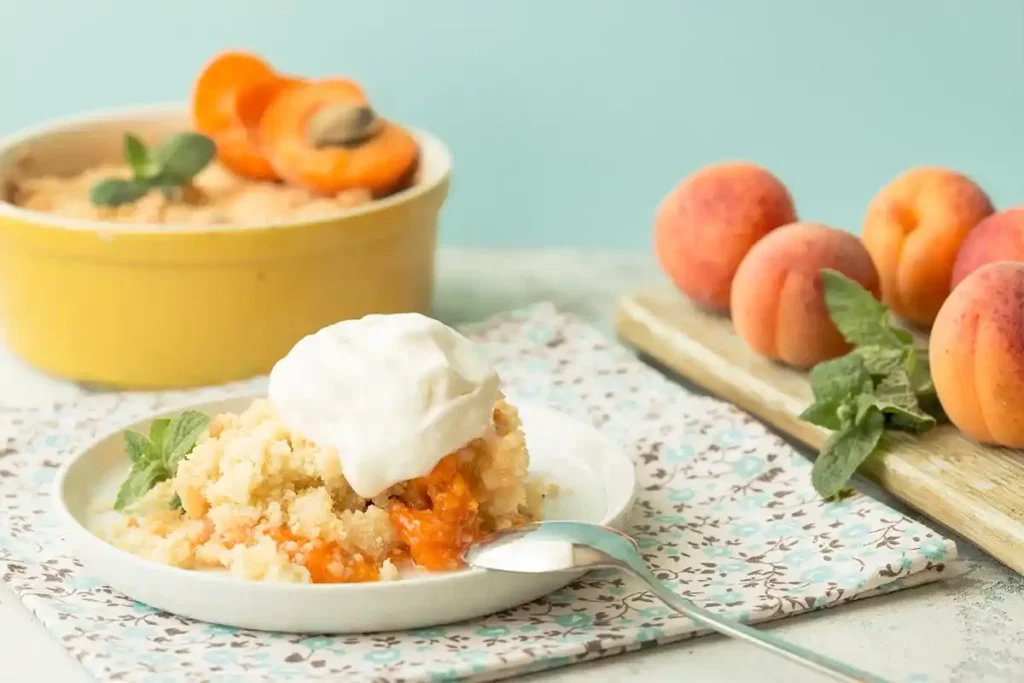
(381, 163)
(239, 147)
(228, 100)
(215, 90)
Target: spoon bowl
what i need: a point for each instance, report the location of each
(552, 546)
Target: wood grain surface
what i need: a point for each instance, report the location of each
(976, 490)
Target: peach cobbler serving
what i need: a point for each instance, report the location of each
(384, 444)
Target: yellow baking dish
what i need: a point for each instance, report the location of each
(160, 306)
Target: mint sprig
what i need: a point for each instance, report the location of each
(884, 383)
(155, 458)
(167, 167)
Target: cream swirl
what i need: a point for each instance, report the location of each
(392, 394)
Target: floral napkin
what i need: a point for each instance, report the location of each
(725, 514)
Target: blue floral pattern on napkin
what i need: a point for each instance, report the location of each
(725, 514)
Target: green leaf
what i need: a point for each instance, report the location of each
(143, 477)
(929, 402)
(157, 429)
(860, 318)
(176, 502)
(898, 392)
(139, 448)
(901, 335)
(165, 167)
(881, 360)
(168, 191)
(905, 422)
(156, 458)
(116, 192)
(837, 378)
(896, 389)
(896, 399)
(845, 450)
(137, 156)
(180, 157)
(181, 435)
(836, 383)
(919, 369)
(824, 414)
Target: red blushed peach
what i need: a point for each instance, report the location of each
(778, 297)
(913, 229)
(708, 223)
(1000, 237)
(976, 353)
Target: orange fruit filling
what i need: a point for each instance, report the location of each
(437, 535)
(326, 562)
(433, 538)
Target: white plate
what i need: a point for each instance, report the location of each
(598, 481)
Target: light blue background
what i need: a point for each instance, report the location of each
(570, 119)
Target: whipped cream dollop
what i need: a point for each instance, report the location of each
(393, 394)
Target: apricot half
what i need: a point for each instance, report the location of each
(381, 163)
(228, 100)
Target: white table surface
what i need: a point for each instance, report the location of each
(966, 629)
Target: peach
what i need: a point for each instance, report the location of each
(1000, 237)
(976, 353)
(778, 300)
(707, 224)
(913, 229)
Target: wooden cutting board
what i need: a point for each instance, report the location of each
(975, 490)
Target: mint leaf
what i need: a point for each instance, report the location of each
(881, 360)
(137, 156)
(845, 450)
(895, 397)
(156, 458)
(168, 190)
(837, 378)
(860, 318)
(824, 414)
(157, 429)
(180, 157)
(116, 192)
(897, 390)
(897, 394)
(165, 167)
(919, 369)
(835, 384)
(138, 448)
(143, 477)
(181, 435)
(929, 402)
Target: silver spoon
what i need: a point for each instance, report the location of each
(562, 546)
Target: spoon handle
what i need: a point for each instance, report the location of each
(767, 641)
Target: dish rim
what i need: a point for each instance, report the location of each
(158, 570)
(10, 143)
